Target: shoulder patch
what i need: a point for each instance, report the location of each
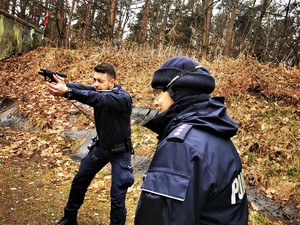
(179, 133)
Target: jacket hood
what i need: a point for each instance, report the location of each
(209, 115)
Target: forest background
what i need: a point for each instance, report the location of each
(250, 47)
(265, 29)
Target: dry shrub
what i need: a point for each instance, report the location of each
(261, 98)
(273, 83)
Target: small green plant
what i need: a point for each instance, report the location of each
(259, 219)
(251, 158)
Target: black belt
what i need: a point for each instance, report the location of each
(114, 147)
(126, 146)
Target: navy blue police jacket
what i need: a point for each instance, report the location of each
(195, 176)
(112, 111)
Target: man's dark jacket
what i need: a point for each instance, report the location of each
(112, 111)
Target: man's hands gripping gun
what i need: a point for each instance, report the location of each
(48, 75)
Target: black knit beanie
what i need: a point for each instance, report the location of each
(175, 73)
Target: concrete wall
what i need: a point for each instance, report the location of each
(17, 35)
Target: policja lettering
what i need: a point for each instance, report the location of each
(238, 187)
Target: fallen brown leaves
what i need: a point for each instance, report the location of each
(263, 99)
(274, 83)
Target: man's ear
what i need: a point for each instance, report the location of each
(112, 83)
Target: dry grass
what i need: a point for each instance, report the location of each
(263, 99)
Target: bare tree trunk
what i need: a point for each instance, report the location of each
(207, 14)
(87, 20)
(247, 30)
(23, 6)
(268, 36)
(256, 48)
(230, 30)
(61, 21)
(111, 17)
(4, 4)
(13, 9)
(145, 19)
(69, 24)
(123, 15)
(281, 42)
(165, 21)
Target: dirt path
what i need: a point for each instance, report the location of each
(33, 194)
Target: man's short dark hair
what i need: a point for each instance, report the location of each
(106, 68)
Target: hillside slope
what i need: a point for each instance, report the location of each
(36, 170)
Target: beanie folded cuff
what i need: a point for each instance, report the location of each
(199, 80)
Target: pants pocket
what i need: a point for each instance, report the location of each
(127, 176)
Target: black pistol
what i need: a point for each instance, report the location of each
(49, 74)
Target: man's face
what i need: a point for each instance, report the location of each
(162, 100)
(103, 82)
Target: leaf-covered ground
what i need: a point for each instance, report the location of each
(35, 165)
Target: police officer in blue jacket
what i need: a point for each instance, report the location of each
(112, 110)
(196, 175)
